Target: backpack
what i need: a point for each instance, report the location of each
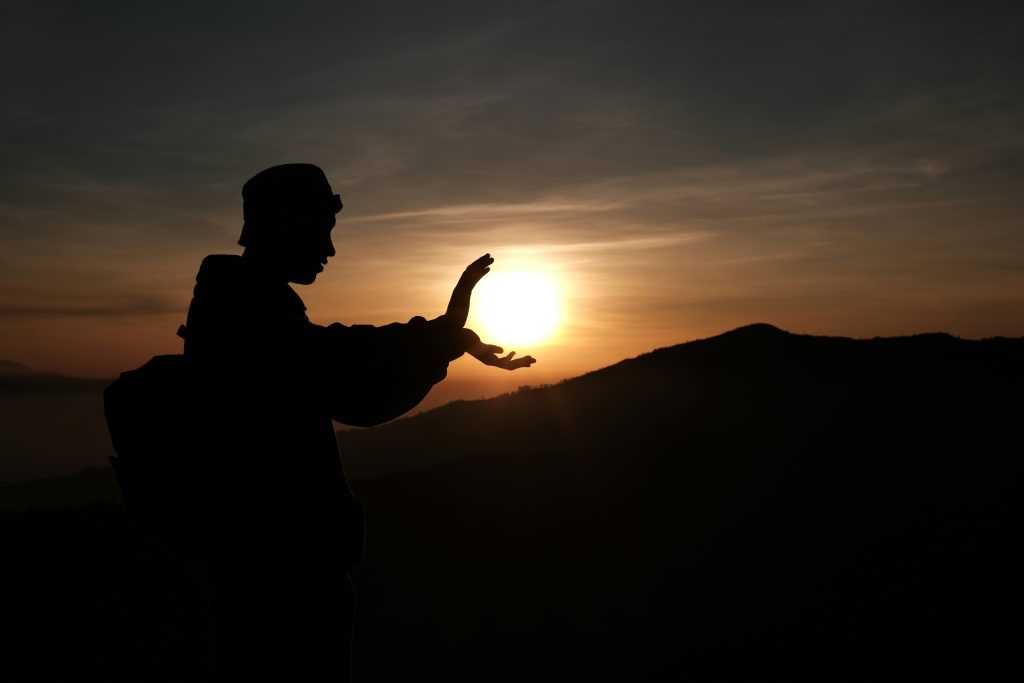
(200, 477)
(168, 429)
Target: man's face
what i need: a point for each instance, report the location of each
(308, 246)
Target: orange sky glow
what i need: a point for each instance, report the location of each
(829, 172)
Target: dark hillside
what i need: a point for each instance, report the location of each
(756, 502)
(756, 497)
(51, 424)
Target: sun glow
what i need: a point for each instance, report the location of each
(517, 307)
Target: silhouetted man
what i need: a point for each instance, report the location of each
(290, 529)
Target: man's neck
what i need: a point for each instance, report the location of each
(263, 263)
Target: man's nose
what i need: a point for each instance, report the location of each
(330, 249)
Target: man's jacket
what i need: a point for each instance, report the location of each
(287, 502)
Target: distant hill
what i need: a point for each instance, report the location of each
(758, 502)
(670, 388)
(10, 367)
(86, 487)
(18, 379)
(50, 424)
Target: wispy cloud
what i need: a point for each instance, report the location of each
(115, 308)
(831, 164)
(493, 212)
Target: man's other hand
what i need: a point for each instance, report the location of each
(488, 354)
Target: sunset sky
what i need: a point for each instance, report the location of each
(677, 169)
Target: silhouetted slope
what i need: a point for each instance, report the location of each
(753, 503)
(685, 382)
(50, 424)
(86, 487)
(758, 497)
(17, 378)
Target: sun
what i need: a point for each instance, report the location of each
(516, 308)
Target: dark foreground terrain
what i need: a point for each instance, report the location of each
(756, 502)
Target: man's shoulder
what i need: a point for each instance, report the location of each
(230, 272)
(220, 265)
(228, 279)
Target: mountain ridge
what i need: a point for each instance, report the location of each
(388, 447)
(393, 446)
(757, 501)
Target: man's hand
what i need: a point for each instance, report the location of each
(458, 305)
(488, 353)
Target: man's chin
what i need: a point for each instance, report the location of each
(303, 278)
(305, 275)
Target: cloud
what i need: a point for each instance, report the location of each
(679, 153)
(930, 167)
(123, 307)
(459, 213)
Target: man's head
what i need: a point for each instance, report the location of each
(289, 213)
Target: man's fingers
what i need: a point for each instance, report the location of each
(481, 263)
(473, 275)
(469, 279)
(477, 269)
(484, 348)
(486, 354)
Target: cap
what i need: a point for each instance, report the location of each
(282, 192)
